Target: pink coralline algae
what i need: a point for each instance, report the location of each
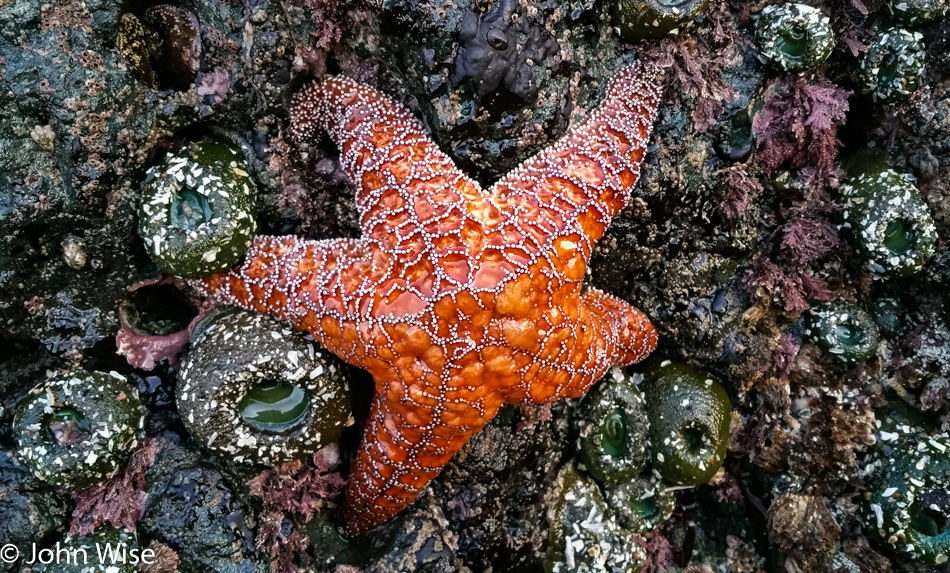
(798, 126)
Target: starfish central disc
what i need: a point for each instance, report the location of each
(457, 299)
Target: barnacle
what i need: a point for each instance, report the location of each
(652, 19)
(258, 391)
(133, 42)
(794, 37)
(891, 67)
(891, 223)
(613, 429)
(78, 428)
(689, 414)
(843, 330)
(198, 213)
(163, 46)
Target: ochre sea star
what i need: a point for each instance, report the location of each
(457, 299)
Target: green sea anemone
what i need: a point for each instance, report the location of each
(689, 414)
(198, 214)
(891, 317)
(891, 67)
(843, 330)
(918, 12)
(613, 428)
(583, 535)
(794, 37)
(892, 226)
(642, 504)
(907, 502)
(258, 391)
(652, 19)
(78, 428)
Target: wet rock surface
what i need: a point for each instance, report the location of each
(32, 512)
(734, 235)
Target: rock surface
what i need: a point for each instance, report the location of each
(732, 235)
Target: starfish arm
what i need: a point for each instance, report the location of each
(608, 332)
(321, 287)
(406, 184)
(630, 336)
(562, 199)
(405, 446)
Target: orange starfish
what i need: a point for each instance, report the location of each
(457, 299)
